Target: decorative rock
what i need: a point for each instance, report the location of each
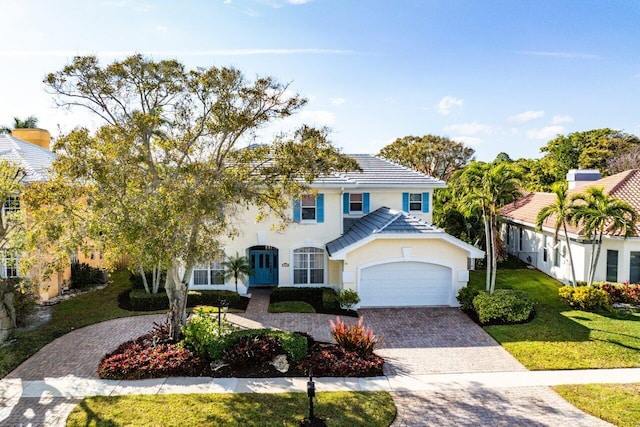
(280, 363)
(217, 364)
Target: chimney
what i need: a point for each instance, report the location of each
(579, 177)
(39, 137)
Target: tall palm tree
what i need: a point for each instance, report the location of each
(562, 208)
(600, 213)
(488, 187)
(236, 267)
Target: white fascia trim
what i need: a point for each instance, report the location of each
(472, 251)
(357, 185)
(551, 230)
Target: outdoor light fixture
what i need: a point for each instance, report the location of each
(311, 393)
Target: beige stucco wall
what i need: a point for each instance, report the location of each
(436, 251)
(393, 199)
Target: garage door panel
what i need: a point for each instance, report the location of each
(405, 284)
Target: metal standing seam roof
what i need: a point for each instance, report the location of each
(377, 171)
(34, 159)
(381, 221)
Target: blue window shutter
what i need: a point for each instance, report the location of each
(345, 203)
(405, 202)
(320, 208)
(297, 211)
(425, 202)
(365, 203)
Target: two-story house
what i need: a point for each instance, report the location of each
(369, 231)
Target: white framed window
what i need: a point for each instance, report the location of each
(415, 202)
(355, 203)
(308, 208)
(210, 273)
(308, 266)
(12, 204)
(10, 264)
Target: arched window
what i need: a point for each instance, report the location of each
(308, 266)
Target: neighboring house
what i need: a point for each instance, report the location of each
(29, 148)
(369, 231)
(619, 258)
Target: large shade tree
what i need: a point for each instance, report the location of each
(598, 214)
(433, 155)
(174, 159)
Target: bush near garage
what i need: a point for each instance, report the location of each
(587, 298)
(465, 298)
(322, 299)
(505, 306)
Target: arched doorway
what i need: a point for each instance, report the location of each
(264, 266)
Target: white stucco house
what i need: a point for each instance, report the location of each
(369, 231)
(619, 259)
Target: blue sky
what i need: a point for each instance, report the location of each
(499, 75)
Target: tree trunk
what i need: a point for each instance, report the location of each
(573, 268)
(144, 278)
(594, 264)
(487, 234)
(494, 255)
(156, 273)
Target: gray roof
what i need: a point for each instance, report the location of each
(34, 159)
(380, 221)
(378, 172)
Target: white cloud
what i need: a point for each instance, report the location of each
(227, 2)
(469, 140)
(447, 103)
(162, 29)
(469, 128)
(561, 119)
(338, 101)
(318, 117)
(565, 55)
(527, 116)
(547, 132)
(298, 1)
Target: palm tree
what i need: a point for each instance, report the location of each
(600, 213)
(488, 187)
(236, 267)
(562, 208)
(28, 123)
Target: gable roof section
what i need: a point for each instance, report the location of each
(624, 186)
(385, 222)
(378, 172)
(34, 159)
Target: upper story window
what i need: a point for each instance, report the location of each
(12, 204)
(355, 203)
(10, 264)
(415, 202)
(309, 209)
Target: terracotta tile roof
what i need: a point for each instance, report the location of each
(624, 186)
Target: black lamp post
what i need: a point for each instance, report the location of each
(221, 303)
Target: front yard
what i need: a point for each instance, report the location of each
(560, 337)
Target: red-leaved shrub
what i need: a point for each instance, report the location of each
(622, 293)
(252, 350)
(357, 338)
(335, 361)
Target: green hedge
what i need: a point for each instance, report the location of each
(504, 307)
(322, 299)
(465, 297)
(139, 300)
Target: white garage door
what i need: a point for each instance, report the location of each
(400, 284)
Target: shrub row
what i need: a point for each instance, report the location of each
(335, 361)
(139, 300)
(83, 275)
(621, 292)
(322, 299)
(586, 298)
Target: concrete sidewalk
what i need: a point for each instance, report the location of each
(74, 387)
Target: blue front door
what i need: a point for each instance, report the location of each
(264, 267)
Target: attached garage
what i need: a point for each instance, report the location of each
(405, 283)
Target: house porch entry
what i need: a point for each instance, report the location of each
(264, 266)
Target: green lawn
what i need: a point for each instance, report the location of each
(337, 408)
(616, 403)
(82, 310)
(560, 337)
(291, 307)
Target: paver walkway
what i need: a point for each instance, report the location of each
(443, 370)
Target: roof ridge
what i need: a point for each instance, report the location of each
(396, 216)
